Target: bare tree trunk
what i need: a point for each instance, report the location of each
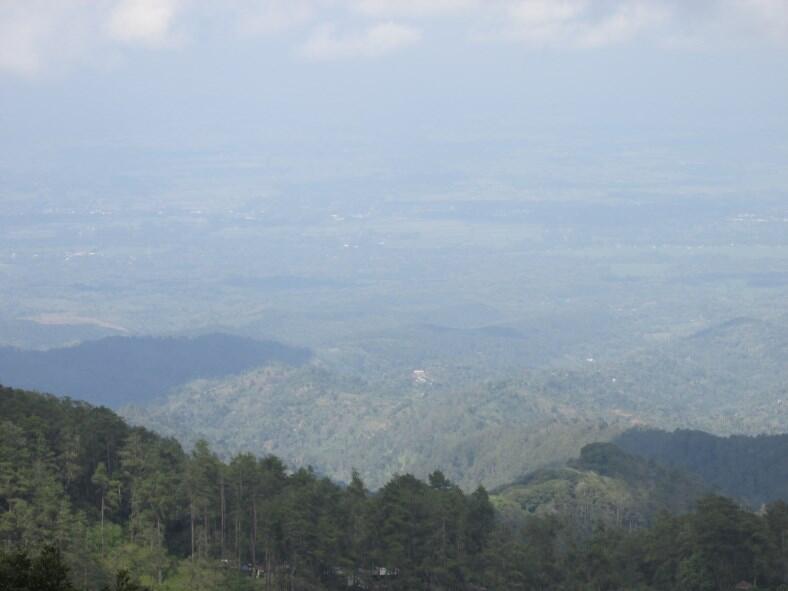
(131, 520)
(221, 510)
(267, 563)
(253, 532)
(102, 523)
(238, 517)
(191, 520)
(205, 533)
(444, 553)
(158, 543)
(238, 538)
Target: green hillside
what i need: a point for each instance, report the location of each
(386, 419)
(86, 500)
(752, 469)
(727, 378)
(488, 433)
(109, 498)
(605, 485)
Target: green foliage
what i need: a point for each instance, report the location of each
(45, 572)
(175, 522)
(604, 485)
(123, 582)
(753, 469)
(162, 519)
(489, 433)
(484, 426)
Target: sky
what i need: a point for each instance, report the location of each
(39, 36)
(377, 78)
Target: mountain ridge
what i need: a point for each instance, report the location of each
(120, 370)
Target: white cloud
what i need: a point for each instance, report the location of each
(255, 17)
(412, 8)
(21, 35)
(41, 36)
(148, 22)
(580, 23)
(377, 40)
(769, 17)
(35, 34)
(621, 25)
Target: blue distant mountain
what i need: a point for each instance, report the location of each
(122, 370)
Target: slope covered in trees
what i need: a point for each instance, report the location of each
(717, 547)
(112, 497)
(728, 378)
(753, 469)
(76, 482)
(489, 433)
(122, 370)
(605, 485)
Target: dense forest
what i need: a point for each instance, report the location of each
(605, 486)
(480, 426)
(752, 469)
(88, 502)
(112, 497)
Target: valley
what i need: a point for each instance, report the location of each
(393, 295)
(399, 415)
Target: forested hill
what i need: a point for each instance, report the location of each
(80, 488)
(367, 411)
(123, 370)
(752, 469)
(605, 485)
(112, 497)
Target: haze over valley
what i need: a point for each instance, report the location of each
(588, 313)
(448, 295)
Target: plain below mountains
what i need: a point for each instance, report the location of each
(117, 371)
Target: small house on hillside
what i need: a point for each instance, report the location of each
(744, 586)
(420, 376)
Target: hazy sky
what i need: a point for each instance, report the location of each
(393, 75)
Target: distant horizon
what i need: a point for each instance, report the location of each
(111, 102)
